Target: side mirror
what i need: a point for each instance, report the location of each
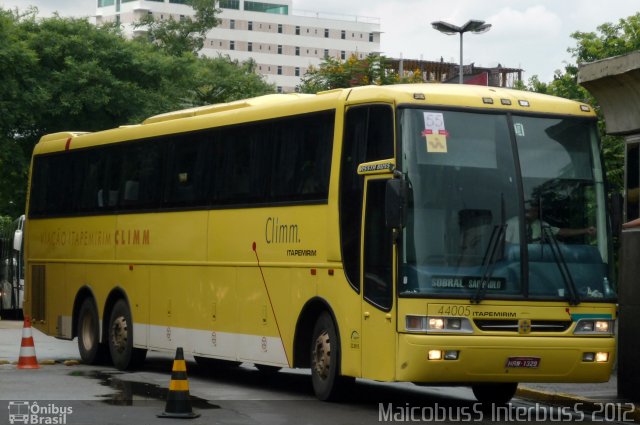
(17, 240)
(395, 207)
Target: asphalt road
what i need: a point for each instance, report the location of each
(79, 394)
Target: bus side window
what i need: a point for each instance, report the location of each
(186, 184)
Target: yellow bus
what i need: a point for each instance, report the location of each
(435, 234)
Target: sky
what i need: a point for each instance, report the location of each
(533, 35)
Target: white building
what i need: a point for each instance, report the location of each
(282, 41)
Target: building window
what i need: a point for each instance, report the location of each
(232, 24)
(343, 54)
(343, 34)
(232, 45)
(279, 49)
(250, 25)
(326, 33)
(371, 37)
(279, 70)
(229, 4)
(297, 29)
(279, 89)
(297, 51)
(326, 53)
(297, 71)
(250, 46)
(279, 28)
(277, 9)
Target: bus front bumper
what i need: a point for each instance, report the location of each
(503, 359)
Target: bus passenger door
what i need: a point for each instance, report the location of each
(378, 342)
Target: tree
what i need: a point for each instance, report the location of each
(185, 35)
(334, 73)
(222, 79)
(610, 39)
(61, 74)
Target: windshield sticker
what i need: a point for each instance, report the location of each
(435, 132)
(519, 129)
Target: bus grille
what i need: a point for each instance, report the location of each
(512, 325)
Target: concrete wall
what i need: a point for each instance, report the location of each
(615, 83)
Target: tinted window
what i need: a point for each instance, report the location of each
(276, 161)
(185, 182)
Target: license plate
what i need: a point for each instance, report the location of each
(527, 362)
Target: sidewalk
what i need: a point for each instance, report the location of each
(601, 397)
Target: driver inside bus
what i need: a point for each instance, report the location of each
(534, 226)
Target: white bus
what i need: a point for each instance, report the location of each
(12, 270)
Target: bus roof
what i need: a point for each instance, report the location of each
(276, 105)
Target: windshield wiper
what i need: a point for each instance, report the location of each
(562, 264)
(489, 260)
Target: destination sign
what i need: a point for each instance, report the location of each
(468, 282)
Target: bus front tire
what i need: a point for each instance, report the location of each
(88, 331)
(497, 393)
(123, 354)
(328, 384)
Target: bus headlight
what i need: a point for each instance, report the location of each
(594, 327)
(449, 324)
(415, 323)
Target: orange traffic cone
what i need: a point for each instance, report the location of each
(27, 358)
(178, 401)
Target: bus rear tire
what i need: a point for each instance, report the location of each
(123, 354)
(496, 393)
(328, 384)
(88, 331)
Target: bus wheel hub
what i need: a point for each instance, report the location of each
(119, 336)
(322, 355)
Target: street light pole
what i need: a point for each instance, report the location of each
(472, 26)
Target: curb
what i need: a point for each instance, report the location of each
(565, 399)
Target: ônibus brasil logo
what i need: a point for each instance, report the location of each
(32, 413)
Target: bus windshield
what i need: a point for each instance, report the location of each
(501, 207)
